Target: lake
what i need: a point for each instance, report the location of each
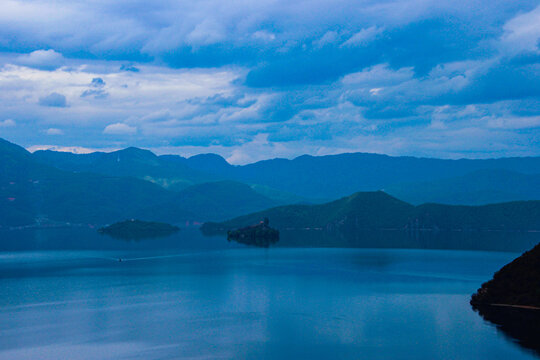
(66, 295)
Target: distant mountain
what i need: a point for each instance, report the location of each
(31, 191)
(517, 283)
(477, 188)
(380, 211)
(326, 177)
(208, 201)
(168, 171)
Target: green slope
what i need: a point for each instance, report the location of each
(378, 210)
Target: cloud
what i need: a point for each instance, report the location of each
(364, 36)
(522, 32)
(71, 149)
(130, 68)
(119, 129)
(97, 82)
(416, 77)
(54, 131)
(53, 100)
(95, 93)
(42, 59)
(330, 37)
(7, 123)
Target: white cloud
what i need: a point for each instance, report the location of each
(364, 36)
(205, 33)
(42, 59)
(119, 129)
(522, 33)
(71, 149)
(7, 123)
(264, 36)
(378, 76)
(54, 131)
(328, 38)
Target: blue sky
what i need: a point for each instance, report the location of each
(252, 80)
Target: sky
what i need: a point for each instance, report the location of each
(253, 80)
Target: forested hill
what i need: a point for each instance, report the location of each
(378, 210)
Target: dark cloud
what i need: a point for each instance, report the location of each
(130, 68)
(53, 100)
(285, 72)
(95, 93)
(97, 83)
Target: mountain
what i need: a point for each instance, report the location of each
(167, 171)
(380, 211)
(209, 201)
(338, 175)
(327, 177)
(516, 284)
(477, 188)
(31, 191)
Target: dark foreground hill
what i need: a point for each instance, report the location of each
(517, 283)
(511, 300)
(380, 211)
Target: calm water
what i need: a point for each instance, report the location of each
(203, 298)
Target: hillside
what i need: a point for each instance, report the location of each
(168, 171)
(31, 191)
(517, 283)
(308, 175)
(208, 201)
(466, 182)
(378, 210)
(477, 188)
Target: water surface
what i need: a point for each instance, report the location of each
(204, 298)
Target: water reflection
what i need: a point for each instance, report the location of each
(454, 240)
(521, 325)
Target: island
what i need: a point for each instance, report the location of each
(261, 234)
(138, 229)
(511, 300)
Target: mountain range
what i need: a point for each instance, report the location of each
(32, 191)
(322, 178)
(101, 188)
